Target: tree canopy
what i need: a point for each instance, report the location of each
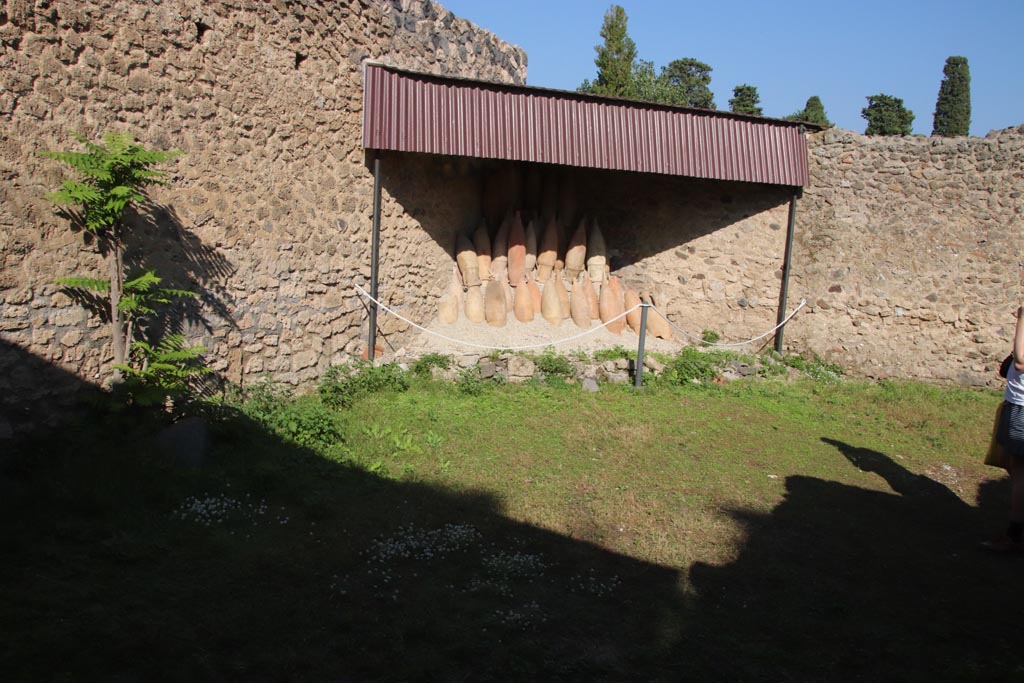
(686, 82)
(620, 73)
(886, 115)
(813, 112)
(683, 82)
(646, 83)
(953, 106)
(615, 58)
(745, 100)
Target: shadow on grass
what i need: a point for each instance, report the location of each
(840, 583)
(272, 563)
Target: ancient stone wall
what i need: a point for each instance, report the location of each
(909, 252)
(268, 211)
(907, 249)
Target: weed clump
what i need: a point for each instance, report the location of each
(423, 365)
(470, 383)
(816, 369)
(307, 423)
(553, 364)
(689, 365)
(264, 399)
(303, 421)
(614, 353)
(342, 384)
(710, 337)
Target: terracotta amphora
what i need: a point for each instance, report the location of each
(579, 304)
(495, 306)
(465, 256)
(482, 244)
(516, 250)
(451, 302)
(576, 254)
(597, 254)
(611, 306)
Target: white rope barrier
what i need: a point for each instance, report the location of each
(803, 302)
(486, 346)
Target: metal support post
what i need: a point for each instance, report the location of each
(638, 378)
(787, 263)
(374, 258)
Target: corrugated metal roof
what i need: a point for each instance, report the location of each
(412, 112)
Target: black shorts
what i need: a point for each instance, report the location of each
(1010, 433)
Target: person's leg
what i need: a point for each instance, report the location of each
(1016, 527)
(1013, 540)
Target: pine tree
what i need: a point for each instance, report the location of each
(745, 100)
(953, 106)
(886, 115)
(614, 59)
(686, 82)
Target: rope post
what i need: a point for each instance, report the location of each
(374, 258)
(638, 378)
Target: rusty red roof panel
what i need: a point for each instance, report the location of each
(411, 112)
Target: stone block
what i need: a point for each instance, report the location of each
(486, 368)
(304, 359)
(520, 369)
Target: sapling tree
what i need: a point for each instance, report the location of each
(111, 177)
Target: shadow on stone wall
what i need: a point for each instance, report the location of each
(162, 242)
(156, 239)
(36, 394)
(647, 214)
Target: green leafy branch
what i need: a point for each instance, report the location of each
(141, 295)
(112, 173)
(162, 370)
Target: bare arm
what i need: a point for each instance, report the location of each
(1018, 341)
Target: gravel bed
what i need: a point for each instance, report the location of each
(537, 334)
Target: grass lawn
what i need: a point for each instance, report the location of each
(760, 530)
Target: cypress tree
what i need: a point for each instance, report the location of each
(814, 111)
(953, 106)
(614, 58)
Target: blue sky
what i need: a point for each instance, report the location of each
(841, 51)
